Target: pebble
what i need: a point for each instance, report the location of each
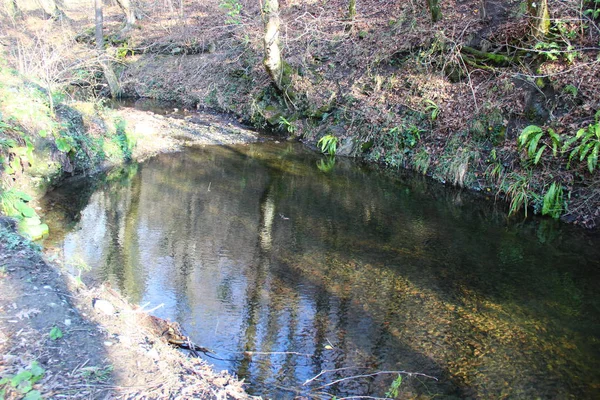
(103, 306)
(108, 344)
(67, 322)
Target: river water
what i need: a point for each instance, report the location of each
(287, 264)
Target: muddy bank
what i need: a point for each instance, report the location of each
(80, 342)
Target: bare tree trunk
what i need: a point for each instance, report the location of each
(435, 10)
(99, 19)
(129, 12)
(538, 11)
(272, 60)
(51, 9)
(109, 74)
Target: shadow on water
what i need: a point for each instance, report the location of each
(286, 269)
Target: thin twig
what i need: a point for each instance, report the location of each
(325, 371)
(378, 373)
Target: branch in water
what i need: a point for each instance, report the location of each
(378, 373)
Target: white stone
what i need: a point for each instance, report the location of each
(103, 306)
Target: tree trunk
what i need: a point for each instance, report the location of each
(272, 61)
(435, 10)
(540, 15)
(99, 19)
(52, 8)
(109, 74)
(129, 12)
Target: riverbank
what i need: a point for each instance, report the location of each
(61, 339)
(475, 99)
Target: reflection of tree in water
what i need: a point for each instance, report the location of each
(275, 256)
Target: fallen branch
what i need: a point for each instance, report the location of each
(378, 373)
(325, 371)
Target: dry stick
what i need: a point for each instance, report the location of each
(364, 397)
(252, 353)
(378, 373)
(327, 371)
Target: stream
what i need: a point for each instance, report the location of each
(287, 264)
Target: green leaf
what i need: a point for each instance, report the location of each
(33, 395)
(25, 210)
(63, 145)
(36, 370)
(21, 377)
(539, 154)
(527, 132)
(569, 142)
(23, 196)
(533, 144)
(593, 158)
(585, 150)
(55, 333)
(25, 387)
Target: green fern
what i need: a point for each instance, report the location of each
(553, 203)
(328, 144)
(587, 146)
(433, 109)
(531, 138)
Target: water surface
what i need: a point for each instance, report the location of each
(288, 264)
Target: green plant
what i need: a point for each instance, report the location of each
(55, 333)
(404, 138)
(65, 144)
(287, 125)
(394, 389)
(234, 8)
(588, 144)
(433, 109)
(571, 89)
(123, 51)
(495, 171)
(328, 144)
(421, 161)
(14, 204)
(553, 202)
(518, 192)
(594, 9)
(97, 374)
(23, 382)
(326, 165)
(530, 138)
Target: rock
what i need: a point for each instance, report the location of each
(345, 148)
(103, 306)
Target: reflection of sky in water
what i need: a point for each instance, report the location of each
(268, 254)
